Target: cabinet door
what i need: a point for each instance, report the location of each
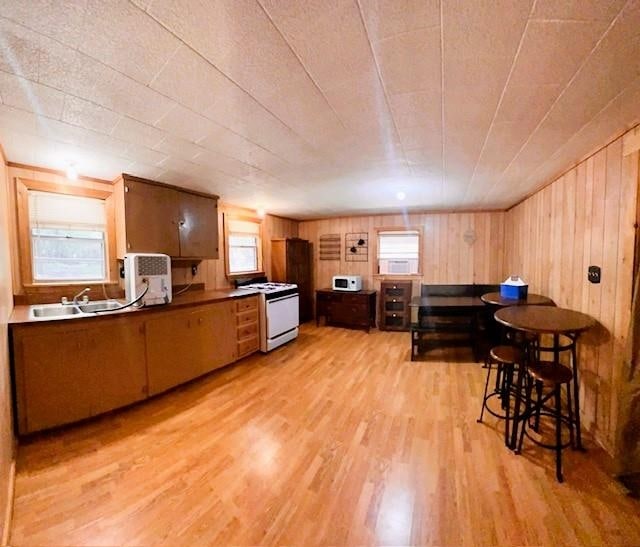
(53, 380)
(117, 363)
(198, 226)
(173, 353)
(217, 336)
(151, 216)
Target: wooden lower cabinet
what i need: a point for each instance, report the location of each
(71, 370)
(66, 373)
(346, 309)
(186, 344)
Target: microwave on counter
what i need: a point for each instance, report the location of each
(347, 282)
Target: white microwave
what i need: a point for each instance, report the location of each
(347, 282)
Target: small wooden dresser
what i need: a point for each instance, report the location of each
(346, 309)
(395, 313)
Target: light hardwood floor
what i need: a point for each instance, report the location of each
(335, 439)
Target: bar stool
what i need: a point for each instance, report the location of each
(553, 375)
(505, 358)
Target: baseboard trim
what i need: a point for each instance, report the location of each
(8, 513)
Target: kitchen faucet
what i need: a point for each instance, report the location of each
(85, 299)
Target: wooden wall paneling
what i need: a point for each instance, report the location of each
(447, 258)
(584, 218)
(7, 450)
(629, 213)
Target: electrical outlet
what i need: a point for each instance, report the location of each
(593, 274)
(194, 269)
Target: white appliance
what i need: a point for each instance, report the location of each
(279, 313)
(398, 266)
(147, 271)
(347, 283)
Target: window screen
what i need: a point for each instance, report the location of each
(68, 237)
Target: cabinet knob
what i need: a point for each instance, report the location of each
(394, 315)
(394, 299)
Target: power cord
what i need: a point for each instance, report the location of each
(128, 304)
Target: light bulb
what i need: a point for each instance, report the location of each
(261, 212)
(400, 196)
(72, 172)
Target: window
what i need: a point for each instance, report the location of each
(399, 252)
(67, 234)
(243, 243)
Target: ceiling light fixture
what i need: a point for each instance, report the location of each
(400, 196)
(72, 172)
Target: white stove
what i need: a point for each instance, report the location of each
(279, 313)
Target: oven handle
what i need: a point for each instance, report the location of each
(282, 298)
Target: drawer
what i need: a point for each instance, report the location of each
(249, 329)
(245, 304)
(244, 317)
(352, 299)
(248, 345)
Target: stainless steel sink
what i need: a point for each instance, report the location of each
(102, 305)
(54, 310)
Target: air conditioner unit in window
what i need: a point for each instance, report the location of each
(399, 266)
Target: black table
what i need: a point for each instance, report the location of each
(448, 314)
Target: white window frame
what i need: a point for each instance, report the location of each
(400, 230)
(69, 226)
(229, 231)
(81, 188)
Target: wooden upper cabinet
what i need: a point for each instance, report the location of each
(158, 218)
(198, 226)
(151, 219)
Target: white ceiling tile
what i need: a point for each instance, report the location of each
(240, 40)
(137, 132)
(180, 148)
(319, 107)
(191, 80)
(137, 46)
(478, 53)
(410, 62)
(62, 21)
(225, 164)
(89, 115)
(582, 10)
(386, 18)
(547, 57)
(142, 154)
(19, 50)
(186, 124)
(28, 95)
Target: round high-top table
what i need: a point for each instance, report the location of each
(557, 322)
(494, 299)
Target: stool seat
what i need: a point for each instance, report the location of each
(506, 355)
(549, 373)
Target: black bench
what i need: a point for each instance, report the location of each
(450, 310)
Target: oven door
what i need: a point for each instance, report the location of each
(282, 315)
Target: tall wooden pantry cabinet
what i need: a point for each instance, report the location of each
(291, 263)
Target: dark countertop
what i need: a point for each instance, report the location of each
(22, 314)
